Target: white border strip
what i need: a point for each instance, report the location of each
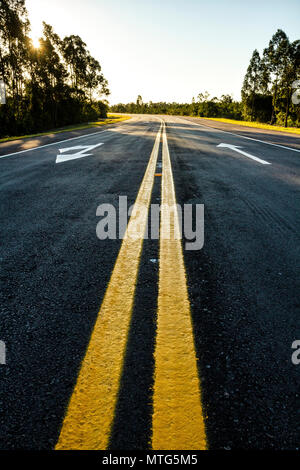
(52, 143)
(58, 142)
(238, 135)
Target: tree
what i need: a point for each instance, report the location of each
(267, 87)
(252, 84)
(290, 73)
(14, 26)
(57, 84)
(139, 101)
(276, 59)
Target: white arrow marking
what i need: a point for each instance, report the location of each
(73, 156)
(237, 149)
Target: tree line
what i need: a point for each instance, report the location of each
(203, 106)
(268, 84)
(266, 94)
(57, 84)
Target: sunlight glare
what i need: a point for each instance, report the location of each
(35, 42)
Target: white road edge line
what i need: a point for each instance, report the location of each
(55, 143)
(48, 145)
(238, 135)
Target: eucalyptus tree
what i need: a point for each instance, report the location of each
(14, 28)
(84, 71)
(290, 73)
(94, 82)
(252, 84)
(56, 84)
(276, 57)
(76, 57)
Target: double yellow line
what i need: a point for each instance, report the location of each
(177, 413)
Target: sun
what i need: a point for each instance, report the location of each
(35, 42)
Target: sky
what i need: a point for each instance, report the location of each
(169, 50)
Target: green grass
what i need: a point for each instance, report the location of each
(259, 125)
(111, 119)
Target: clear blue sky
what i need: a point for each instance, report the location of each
(170, 50)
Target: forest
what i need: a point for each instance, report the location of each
(56, 84)
(266, 94)
(59, 83)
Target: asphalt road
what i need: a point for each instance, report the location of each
(243, 285)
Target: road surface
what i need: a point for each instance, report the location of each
(123, 344)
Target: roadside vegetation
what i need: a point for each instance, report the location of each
(257, 125)
(266, 92)
(110, 119)
(54, 85)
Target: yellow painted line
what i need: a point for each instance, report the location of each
(177, 421)
(90, 413)
(158, 174)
